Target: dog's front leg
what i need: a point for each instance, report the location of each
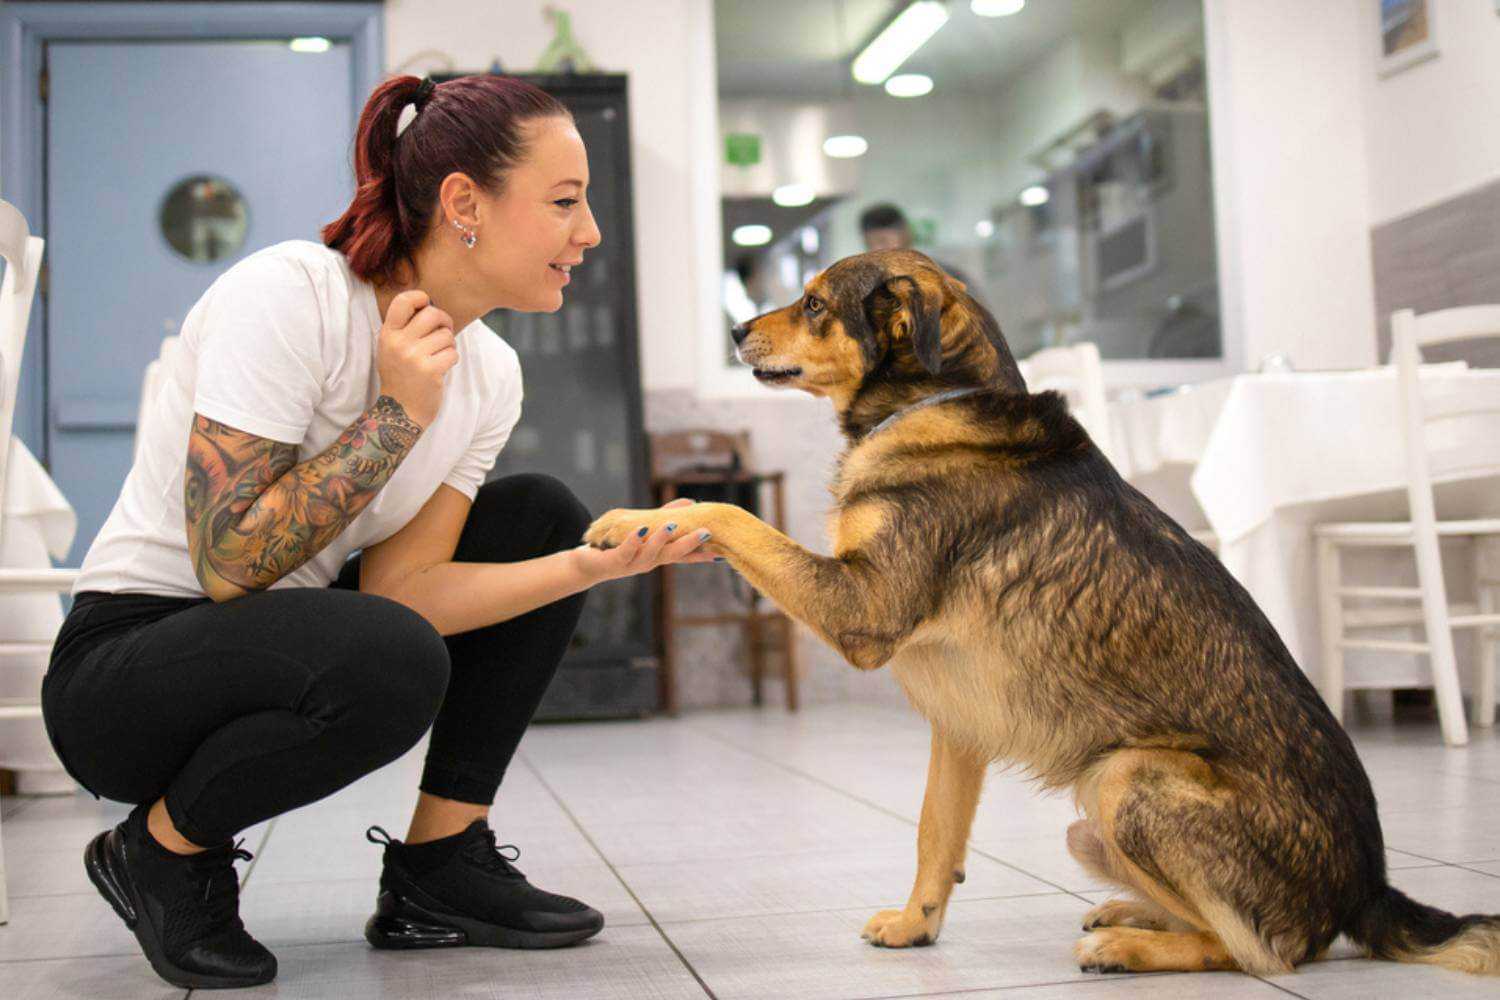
(954, 778)
(845, 601)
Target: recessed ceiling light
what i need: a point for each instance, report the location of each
(903, 36)
(1035, 195)
(909, 85)
(751, 236)
(845, 147)
(984, 229)
(310, 44)
(792, 195)
(997, 8)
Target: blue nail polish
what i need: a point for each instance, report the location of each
(671, 527)
(719, 559)
(642, 532)
(705, 536)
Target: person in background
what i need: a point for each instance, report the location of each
(885, 227)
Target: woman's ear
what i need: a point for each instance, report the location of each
(458, 199)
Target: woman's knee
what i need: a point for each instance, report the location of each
(544, 500)
(395, 668)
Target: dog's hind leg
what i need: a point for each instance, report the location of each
(1088, 850)
(955, 776)
(1165, 828)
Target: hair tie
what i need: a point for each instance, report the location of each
(424, 93)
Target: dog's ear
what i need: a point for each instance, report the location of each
(901, 306)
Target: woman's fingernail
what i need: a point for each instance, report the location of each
(671, 527)
(704, 536)
(718, 558)
(642, 533)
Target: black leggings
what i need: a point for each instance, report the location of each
(240, 711)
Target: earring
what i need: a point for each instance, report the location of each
(469, 236)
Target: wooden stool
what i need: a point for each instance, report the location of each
(713, 464)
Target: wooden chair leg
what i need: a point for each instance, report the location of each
(1331, 626)
(756, 653)
(666, 677)
(4, 893)
(789, 637)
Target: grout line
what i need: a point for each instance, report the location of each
(526, 762)
(1278, 986)
(1108, 978)
(882, 809)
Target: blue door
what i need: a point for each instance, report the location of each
(238, 144)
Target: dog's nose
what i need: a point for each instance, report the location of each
(740, 332)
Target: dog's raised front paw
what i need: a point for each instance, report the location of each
(894, 929)
(612, 528)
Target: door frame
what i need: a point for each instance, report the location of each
(25, 29)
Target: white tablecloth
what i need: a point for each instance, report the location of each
(39, 522)
(1262, 458)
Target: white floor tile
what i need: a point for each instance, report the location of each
(123, 978)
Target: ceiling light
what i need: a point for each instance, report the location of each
(751, 236)
(845, 147)
(909, 85)
(997, 8)
(1035, 195)
(984, 229)
(903, 36)
(792, 195)
(311, 44)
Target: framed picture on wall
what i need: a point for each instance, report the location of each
(1407, 34)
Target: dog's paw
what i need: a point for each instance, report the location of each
(1105, 951)
(1123, 913)
(611, 529)
(894, 929)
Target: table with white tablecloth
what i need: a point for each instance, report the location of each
(39, 527)
(1262, 458)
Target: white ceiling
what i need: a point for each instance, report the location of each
(802, 48)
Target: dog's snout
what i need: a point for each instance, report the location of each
(740, 332)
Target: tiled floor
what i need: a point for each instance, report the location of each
(734, 854)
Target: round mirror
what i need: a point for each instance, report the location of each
(203, 218)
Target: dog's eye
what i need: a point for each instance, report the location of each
(814, 304)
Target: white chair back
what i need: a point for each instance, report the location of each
(1077, 373)
(23, 262)
(1423, 409)
(150, 386)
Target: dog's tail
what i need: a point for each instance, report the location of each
(1398, 928)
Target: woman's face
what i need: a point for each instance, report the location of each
(540, 224)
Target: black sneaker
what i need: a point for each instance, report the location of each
(462, 890)
(184, 908)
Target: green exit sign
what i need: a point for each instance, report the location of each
(742, 149)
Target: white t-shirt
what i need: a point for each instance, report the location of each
(283, 346)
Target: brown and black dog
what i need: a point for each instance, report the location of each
(1041, 612)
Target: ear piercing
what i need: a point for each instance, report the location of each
(469, 236)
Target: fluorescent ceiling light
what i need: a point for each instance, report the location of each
(792, 195)
(311, 44)
(1035, 195)
(903, 36)
(997, 8)
(909, 85)
(845, 147)
(751, 236)
(984, 229)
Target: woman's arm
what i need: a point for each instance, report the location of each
(254, 515)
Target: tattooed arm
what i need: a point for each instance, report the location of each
(254, 515)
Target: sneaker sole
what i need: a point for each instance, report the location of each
(117, 888)
(400, 924)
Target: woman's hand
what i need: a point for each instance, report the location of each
(641, 554)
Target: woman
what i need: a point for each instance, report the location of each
(225, 660)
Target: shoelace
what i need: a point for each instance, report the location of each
(491, 858)
(223, 905)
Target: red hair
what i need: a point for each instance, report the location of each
(471, 125)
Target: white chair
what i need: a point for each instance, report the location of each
(1410, 333)
(1077, 373)
(23, 261)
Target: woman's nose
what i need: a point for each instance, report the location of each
(589, 236)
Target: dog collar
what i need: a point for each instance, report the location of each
(941, 397)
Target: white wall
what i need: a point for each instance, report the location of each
(1434, 128)
(1287, 84)
(667, 48)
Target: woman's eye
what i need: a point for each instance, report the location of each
(566, 202)
(814, 305)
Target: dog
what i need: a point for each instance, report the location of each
(1042, 613)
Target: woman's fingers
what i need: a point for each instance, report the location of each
(679, 502)
(680, 549)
